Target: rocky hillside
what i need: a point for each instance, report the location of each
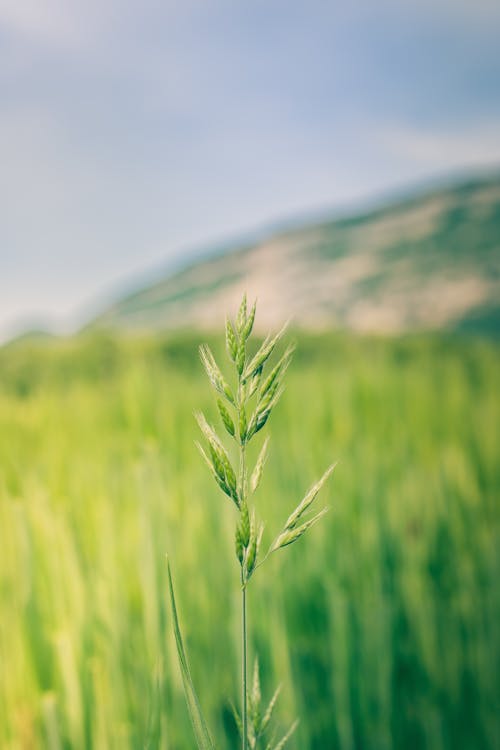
(431, 261)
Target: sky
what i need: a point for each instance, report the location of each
(134, 134)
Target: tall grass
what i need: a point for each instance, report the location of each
(391, 642)
(244, 408)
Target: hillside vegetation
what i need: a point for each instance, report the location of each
(384, 626)
(429, 262)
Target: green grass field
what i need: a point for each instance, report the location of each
(382, 623)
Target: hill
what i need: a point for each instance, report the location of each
(431, 261)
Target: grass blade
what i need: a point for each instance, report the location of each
(203, 739)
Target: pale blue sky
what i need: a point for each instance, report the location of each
(132, 133)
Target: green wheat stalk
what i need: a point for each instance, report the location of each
(244, 411)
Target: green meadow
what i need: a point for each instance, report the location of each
(382, 623)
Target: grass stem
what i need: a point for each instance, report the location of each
(244, 664)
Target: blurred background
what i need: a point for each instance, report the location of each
(342, 165)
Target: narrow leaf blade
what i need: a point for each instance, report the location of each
(203, 739)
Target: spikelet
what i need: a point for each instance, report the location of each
(238, 543)
(251, 558)
(248, 326)
(251, 555)
(245, 525)
(220, 460)
(231, 341)
(254, 700)
(256, 694)
(308, 500)
(278, 370)
(281, 744)
(253, 549)
(259, 466)
(241, 318)
(226, 417)
(268, 397)
(270, 708)
(241, 357)
(218, 475)
(289, 536)
(254, 382)
(243, 426)
(214, 374)
(263, 354)
(262, 413)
